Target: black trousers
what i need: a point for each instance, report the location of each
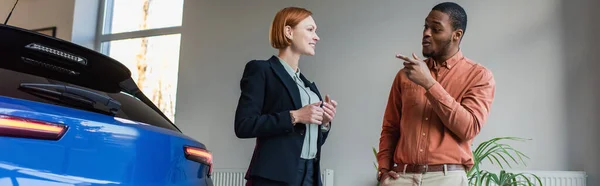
(305, 177)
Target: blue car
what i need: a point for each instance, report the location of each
(70, 116)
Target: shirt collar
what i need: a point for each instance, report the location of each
(288, 68)
(449, 63)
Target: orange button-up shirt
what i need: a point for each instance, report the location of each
(436, 126)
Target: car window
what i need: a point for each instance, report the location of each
(131, 107)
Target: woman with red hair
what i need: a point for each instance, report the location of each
(282, 109)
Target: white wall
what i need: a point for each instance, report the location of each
(523, 42)
(34, 14)
(582, 85)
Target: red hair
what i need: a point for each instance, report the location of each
(289, 16)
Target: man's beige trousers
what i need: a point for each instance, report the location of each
(450, 178)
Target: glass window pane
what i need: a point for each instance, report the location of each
(154, 65)
(135, 15)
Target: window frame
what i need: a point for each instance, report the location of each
(102, 35)
(104, 25)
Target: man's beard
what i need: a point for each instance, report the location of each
(441, 52)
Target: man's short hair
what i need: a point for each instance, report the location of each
(457, 14)
(289, 16)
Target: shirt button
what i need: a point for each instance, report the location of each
(426, 118)
(423, 134)
(420, 150)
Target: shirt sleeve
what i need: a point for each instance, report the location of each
(465, 118)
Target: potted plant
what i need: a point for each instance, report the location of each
(499, 154)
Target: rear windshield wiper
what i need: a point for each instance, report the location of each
(75, 96)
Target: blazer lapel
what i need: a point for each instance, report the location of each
(311, 85)
(287, 80)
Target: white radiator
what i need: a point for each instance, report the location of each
(229, 177)
(224, 177)
(557, 178)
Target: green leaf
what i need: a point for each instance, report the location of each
(501, 154)
(375, 163)
(374, 152)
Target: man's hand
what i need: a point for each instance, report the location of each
(386, 175)
(417, 71)
(329, 107)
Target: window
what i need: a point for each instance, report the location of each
(145, 35)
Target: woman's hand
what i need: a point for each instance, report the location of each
(329, 107)
(308, 114)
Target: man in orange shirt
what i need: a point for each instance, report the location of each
(435, 108)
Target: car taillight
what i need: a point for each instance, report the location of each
(26, 128)
(199, 155)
